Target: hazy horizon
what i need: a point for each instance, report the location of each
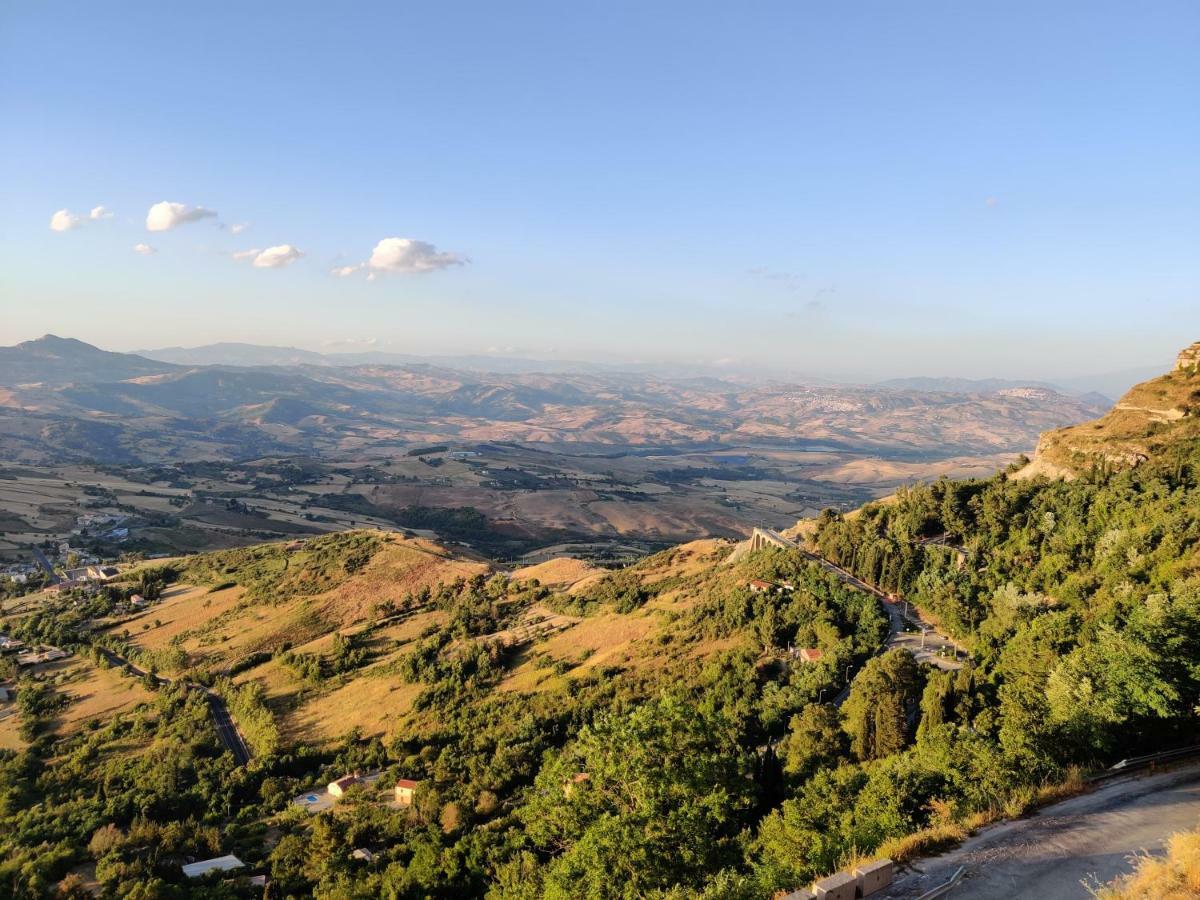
(850, 192)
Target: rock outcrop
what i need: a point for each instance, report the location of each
(1150, 416)
(1189, 359)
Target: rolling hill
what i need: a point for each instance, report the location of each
(154, 411)
(560, 722)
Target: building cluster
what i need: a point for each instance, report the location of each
(42, 654)
(19, 573)
(758, 586)
(99, 523)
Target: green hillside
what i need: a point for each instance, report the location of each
(644, 732)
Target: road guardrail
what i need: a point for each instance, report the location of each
(1136, 763)
(945, 887)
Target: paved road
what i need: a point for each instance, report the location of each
(227, 730)
(40, 557)
(902, 619)
(1060, 851)
(222, 720)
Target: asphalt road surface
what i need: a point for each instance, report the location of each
(902, 619)
(227, 731)
(222, 720)
(40, 557)
(1066, 848)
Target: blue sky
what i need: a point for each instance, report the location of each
(856, 189)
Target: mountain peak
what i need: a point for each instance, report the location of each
(56, 343)
(59, 360)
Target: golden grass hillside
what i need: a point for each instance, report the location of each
(251, 613)
(1148, 418)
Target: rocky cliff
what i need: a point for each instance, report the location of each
(1151, 416)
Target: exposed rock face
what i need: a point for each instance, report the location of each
(1149, 418)
(1189, 359)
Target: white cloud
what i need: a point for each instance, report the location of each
(144, 249)
(345, 271)
(167, 215)
(409, 256)
(271, 258)
(64, 220)
(238, 227)
(277, 257)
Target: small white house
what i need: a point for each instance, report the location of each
(217, 864)
(343, 784)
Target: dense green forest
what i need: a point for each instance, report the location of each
(723, 770)
(1081, 599)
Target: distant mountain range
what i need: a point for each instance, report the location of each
(236, 354)
(988, 386)
(62, 400)
(1101, 387)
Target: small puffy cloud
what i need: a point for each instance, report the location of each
(64, 220)
(409, 256)
(345, 271)
(277, 257)
(144, 249)
(245, 254)
(167, 215)
(238, 227)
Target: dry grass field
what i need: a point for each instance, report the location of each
(219, 626)
(529, 497)
(94, 694)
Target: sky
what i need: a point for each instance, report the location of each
(846, 189)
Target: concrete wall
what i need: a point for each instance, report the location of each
(874, 877)
(842, 886)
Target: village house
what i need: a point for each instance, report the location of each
(405, 789)
(758, 586)
(46, 654)
(811, 654)
(10, 645)
(339, 787)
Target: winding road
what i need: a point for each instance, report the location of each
(927, 644)
(906, 627)
(223, 722)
